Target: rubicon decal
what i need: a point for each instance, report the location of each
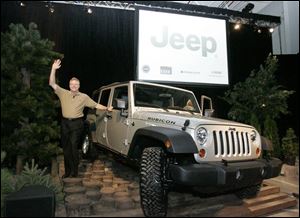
(161, 120)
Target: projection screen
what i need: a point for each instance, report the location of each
(177, 48)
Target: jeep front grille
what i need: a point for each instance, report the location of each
(228, 143)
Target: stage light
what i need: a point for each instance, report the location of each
(237, 26)
(88, 10)
(50, 6)
(271, 30)
(257, 29)
(51, 9)
(22, 4)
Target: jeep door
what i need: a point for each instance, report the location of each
(92, 117)
(101, 118)
(117, 123)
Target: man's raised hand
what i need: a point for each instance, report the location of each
(56, 64)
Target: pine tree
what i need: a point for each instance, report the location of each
(271, 132)
(254, 122)
(290, 146)
(28, 118)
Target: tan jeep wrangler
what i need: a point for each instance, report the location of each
(176, 143)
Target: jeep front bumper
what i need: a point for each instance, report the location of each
(234, 174)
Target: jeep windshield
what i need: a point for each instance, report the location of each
(162, 97)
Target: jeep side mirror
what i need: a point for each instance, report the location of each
(207, 109)
(209, 112)
(121, 104)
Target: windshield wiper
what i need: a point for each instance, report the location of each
(180, 108)
(152, 105)
(175, 107)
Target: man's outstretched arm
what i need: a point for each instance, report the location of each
(101, 107)
(55, 66)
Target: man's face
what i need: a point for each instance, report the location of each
(74, 85)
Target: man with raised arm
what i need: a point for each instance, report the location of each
(72, 104)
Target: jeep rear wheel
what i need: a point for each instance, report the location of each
(154, 197)
(248, 192)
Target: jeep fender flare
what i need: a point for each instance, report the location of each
(154, 136)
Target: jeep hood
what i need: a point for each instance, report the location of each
(179, 118)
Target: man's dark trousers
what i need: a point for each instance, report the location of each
(71, 137)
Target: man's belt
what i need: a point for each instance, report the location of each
(72, 119)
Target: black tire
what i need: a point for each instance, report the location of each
(248, 192)
(153, 190)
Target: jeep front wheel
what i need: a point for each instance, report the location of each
(154, 197)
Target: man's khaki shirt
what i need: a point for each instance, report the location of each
(72, 105)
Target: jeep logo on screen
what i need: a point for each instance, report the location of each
(178, 41)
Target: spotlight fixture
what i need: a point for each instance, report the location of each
(257, 29)
(22, 4)
(51, 9)
(50, 6)
(271, 30)
(89, 11)
(237, 26)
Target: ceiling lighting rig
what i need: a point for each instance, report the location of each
(236, 17)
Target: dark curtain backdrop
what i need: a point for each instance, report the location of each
(98, 48)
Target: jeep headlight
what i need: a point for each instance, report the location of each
(201, 135)
(253, 135)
